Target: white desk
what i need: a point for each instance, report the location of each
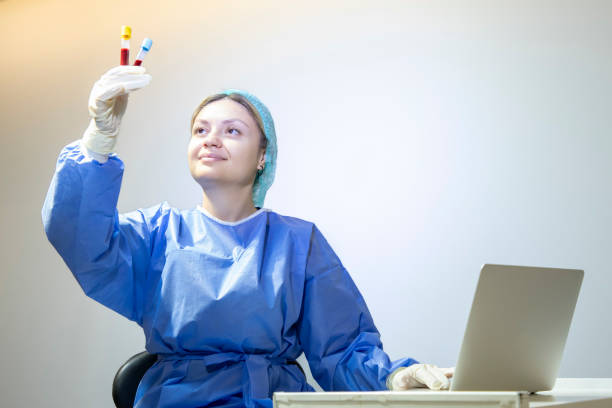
(567, 393)
(575, 393)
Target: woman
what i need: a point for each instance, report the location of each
(230, 293)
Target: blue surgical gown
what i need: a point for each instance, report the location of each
(225, 305)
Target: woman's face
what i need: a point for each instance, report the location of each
(225, 129)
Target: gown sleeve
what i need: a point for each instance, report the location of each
(108, 253)
(336, 331)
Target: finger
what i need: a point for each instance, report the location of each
(110, 92)
(129, 81)
(441, 377)
(124, 70)
(110, 81)
(117, 87)
(406, 378)
(432, 377)
(137, 83)
(448, 372)
(124, 77)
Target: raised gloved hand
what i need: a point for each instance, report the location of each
(420, 375)
(107, 104)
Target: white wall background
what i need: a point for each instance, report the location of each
(424, 138)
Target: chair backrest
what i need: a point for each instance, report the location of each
(128, 377)
(131, 372)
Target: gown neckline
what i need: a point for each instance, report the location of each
(234, 223)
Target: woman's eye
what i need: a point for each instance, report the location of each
(200, 131)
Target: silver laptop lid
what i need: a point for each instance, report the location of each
(517, 328)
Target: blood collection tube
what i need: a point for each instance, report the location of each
(126, 33)
(144, 49)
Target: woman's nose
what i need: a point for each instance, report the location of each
(212, 139)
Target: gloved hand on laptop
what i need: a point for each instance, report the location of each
(420, 375)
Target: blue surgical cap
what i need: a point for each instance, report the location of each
(264, 178)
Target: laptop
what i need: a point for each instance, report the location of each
(517, 328)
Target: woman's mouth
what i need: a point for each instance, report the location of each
(210, 158)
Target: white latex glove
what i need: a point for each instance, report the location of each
(420, 375)
(107, 104)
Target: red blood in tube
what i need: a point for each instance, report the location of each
(125, 56)
(138, 62)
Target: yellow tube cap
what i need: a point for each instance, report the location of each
(126, 32)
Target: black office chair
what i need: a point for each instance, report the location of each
(128, 377)
(131, 372)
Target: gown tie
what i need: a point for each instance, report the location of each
(255, 379)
